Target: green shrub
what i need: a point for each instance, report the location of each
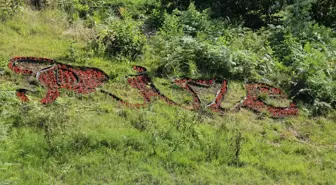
(246, 56)
(306, 71)
(254, 14)
(306, 58)
(171, 26)
(194, 21)
(191, 22)
(251, 54)
(8, 8)
(184, 47)
(123, 39)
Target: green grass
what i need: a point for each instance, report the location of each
(91, 139)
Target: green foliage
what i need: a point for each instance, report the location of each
(192, 57)
(255, 14)
(251, 55)
(324, 12)
(8, 8)
(259, 13)
(193, 21)
(190, 22)
(123, 39)
(212, 50)
(100, 11)
(306, 53)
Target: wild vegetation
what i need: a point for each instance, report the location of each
(91, 139)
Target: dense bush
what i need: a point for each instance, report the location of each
(306, 54)
(247, 57)
(189, 42)
(308, 72)
(324, 12)
(123, 38)
(258, 13)
(255, 14)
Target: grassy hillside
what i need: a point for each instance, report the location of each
(91, 139)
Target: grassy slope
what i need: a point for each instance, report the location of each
(93, 140)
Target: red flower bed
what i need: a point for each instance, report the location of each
(56, 75)
(53, 76)
(144, 84)
(253, 102)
